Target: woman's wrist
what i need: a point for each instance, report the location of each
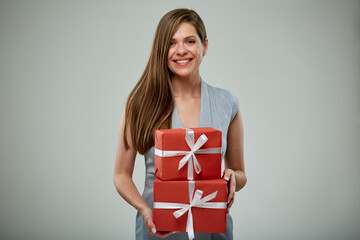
(144, 209)
(240, 179)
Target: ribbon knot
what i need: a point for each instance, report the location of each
(197, 201)
(190, 157)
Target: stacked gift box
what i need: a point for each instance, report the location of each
(189, 193)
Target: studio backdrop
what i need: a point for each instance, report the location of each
(67, 67)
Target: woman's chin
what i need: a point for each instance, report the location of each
(183, 75)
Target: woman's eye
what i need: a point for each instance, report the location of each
(172, 44)
(191, 41)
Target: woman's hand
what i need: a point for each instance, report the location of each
(230, 177)
(147, 215)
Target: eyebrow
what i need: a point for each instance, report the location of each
(191, 36)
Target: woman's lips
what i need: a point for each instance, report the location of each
(182, 62)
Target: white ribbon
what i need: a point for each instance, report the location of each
(190, 157)
(195, 201)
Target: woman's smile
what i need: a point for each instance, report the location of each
(182, 62)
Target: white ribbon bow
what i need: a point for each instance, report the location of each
(195, 201)
(190, 157)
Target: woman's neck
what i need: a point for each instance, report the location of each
(186, 87)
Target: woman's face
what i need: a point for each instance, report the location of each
(186, 51)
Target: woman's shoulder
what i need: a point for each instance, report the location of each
(223, 99)
(221, 93)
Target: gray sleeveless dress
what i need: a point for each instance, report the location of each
(218, 108)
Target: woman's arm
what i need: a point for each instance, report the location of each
(124, 166)
(234, 158)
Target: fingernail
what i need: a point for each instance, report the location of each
(153, 230)
(226, 178)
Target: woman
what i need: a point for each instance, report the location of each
(171, 94)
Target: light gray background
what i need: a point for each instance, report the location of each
(66, 68)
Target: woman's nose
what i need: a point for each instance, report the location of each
(181, 49)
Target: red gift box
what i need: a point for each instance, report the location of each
(207, 211)
(182, 154)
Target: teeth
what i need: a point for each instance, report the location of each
(183, 61)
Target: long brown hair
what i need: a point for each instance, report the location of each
(150, 104)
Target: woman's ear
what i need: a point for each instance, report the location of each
(205, 44)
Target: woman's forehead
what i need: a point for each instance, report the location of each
(185, 30)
